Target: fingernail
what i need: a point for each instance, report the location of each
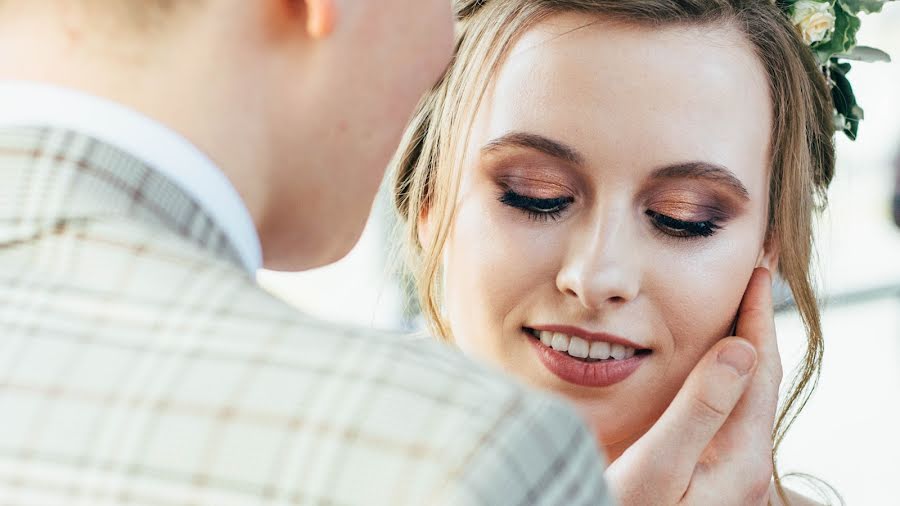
(738, 355)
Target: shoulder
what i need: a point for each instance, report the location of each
(231, 384)
(485, 438)
(535, 450)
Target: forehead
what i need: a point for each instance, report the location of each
(633, 97)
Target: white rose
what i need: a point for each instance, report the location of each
(814, 19)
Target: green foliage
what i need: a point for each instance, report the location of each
(867, 6)
(848, 113)
(865, 54)
(841, 45)
(844, 37)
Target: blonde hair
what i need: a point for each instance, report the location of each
(426, 167)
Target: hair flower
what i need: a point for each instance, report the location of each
(815, 20)
(829, 28)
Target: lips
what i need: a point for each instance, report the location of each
(595, 360)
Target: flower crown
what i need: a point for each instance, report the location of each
(829, 28)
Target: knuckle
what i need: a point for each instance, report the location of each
(756, 311)
(705, 411)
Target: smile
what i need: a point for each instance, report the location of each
(592, 363)
(580, 348)
(587, 351)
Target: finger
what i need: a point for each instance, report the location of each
(743, 446)
(756, 316)
(755, 413)
(669, 451)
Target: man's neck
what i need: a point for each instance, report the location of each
(170, 87)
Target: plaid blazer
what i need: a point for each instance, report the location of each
(140, 365)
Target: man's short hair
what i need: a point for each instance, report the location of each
(140, 13)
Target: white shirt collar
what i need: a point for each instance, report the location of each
(35, 104)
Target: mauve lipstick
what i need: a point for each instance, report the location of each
(602, 373)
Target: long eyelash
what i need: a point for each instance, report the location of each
(536, 209)
(683, 229)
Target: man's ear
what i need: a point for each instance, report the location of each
(320, 17)
(769, 254)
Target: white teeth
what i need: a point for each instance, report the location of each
(617, 351)
(560, 342)
(581, 348)
(599, 350)
(546, 337)
(578, 347)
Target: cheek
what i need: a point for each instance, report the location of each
(494, 266)
(701, 290)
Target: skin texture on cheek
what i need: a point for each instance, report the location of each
(482, 283)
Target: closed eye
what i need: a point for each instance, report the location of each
(683, 229)
(537, 208)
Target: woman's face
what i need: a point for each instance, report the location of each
(612, 207)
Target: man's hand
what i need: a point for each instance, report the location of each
(713, 445)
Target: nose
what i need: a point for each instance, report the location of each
(602, 267)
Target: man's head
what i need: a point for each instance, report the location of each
(300, 102)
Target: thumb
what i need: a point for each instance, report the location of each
(669, 452)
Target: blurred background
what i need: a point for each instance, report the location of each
(849, 433)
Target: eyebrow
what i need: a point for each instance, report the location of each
(703, 170)
(535, 142)
(685, 170)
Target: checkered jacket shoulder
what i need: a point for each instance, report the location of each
(140, 365)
